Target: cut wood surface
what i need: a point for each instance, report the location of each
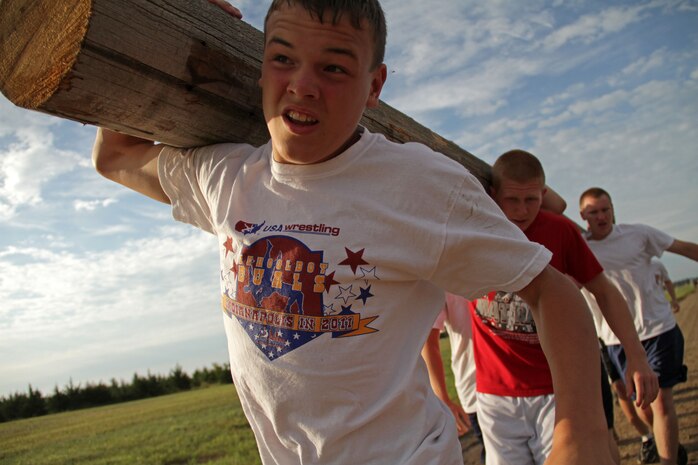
(182, 72)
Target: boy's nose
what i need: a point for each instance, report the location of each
(303, 84)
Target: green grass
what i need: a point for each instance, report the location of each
(204, 426)
(446, 357)
(683, 291)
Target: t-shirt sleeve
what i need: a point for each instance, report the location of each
(192, 178)
(482, 250)
(656, 241)
(440, 321)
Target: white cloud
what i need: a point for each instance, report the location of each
(30, 159)
(59, 304)
(592, 27)
(646, 64)
(91, 205)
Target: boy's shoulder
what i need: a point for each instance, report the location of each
(412, 162)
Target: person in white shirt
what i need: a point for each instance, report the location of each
(625, 251)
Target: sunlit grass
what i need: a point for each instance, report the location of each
(205, 426)
(683, 291)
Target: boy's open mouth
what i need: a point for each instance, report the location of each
(300, 118)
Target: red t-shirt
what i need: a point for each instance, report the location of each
(508, 357)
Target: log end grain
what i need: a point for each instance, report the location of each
(39, 43)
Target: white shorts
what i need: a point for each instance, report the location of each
(516, 430)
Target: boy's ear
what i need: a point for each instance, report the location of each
(380, 74)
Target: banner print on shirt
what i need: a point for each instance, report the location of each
(278, 292)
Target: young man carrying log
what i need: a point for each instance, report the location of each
(336, 247)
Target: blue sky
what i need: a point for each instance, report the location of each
(99, 283)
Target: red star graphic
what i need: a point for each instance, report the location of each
(329, 281)
(354, 259)
(228, 244)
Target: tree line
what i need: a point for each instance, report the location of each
(74, 397)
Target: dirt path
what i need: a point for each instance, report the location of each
(685, 396)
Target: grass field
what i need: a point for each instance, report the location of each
(683, 291)
(205, 426)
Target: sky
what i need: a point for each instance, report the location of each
(97, 282)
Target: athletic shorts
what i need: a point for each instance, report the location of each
(608, 365)
(516, 430)
(664, 354)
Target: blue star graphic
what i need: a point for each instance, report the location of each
(365, 294)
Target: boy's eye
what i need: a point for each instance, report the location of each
(281, 59)
(335, 69)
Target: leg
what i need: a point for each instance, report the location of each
(665, 354)
(666, 427)
(641, 420)
(540, 411)
(505, 430)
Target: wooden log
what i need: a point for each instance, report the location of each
(182, 72)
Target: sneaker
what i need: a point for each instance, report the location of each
(648, 452)
(682, 456)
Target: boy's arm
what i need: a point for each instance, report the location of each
(685, 248)
(130, 161)
(568, 337)
(639, 377)
(431, 353)
(552, 201)
(669, 286)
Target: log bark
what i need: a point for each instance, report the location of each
(182, 72)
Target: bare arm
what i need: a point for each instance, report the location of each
(669, 286)
(568, 337)
(685, 248)
(639, 377)
(130, 161)
(431, 353)
(553, 202)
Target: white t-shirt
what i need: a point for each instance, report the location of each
(625, 255)
(661, 276)
(331, 277)
(455, 317)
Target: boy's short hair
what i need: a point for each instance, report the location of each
(517, 165)
(594, 192)
(358, 11)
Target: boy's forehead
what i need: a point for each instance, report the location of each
(521, 186)
(296, 11)
(590, 202)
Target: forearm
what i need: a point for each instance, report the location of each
(669, 286)
(685, 248)
(568, 338)
(431, 353)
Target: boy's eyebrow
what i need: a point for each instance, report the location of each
(280, 41)
(335, 50)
